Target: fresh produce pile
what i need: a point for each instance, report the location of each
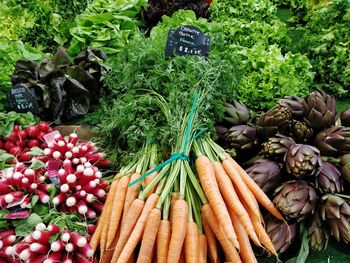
(298, 154)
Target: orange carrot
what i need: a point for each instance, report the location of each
(192, 242)
(117, 209)
(259, 194)
(182, 256)
(131, 195)
(95, 240)
(211, 189)
(178, 230)
(132, 258)
(138, 230)
(174, 197)
(210, 218)
(149, 237)
(232, 200)
(126, 229)
(148, 180)
(212, 246)
(203, 247)
(163, 240)
(246, 253)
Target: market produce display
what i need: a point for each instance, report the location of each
(220, 131)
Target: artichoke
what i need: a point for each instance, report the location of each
(266, 174)
(300, 131)
(318, 233)
(294, 104)
(281, 234)
(236, 113)
(274, 121)
(345, 167)
(241, 137)
(303, 160)
(329, 180)
(345, 118)
(296, 199)
(277, 147)
(336, 211)
(319, 110)
(334, 141)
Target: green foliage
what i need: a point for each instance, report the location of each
(327, 44)
(106, 24)
(270, 75)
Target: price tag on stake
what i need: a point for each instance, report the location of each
(22, 99)
(52, 169)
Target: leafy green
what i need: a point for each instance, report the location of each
(304, 249)
(8, 119)
(26, 226)
(106, 24)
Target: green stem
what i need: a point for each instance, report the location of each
(155, 181)
(195, 183)
(170, 182)
(197, 149)
(196, 210)
(189, 203)
(160, 186)
(183, 177)
(220, 152)
(166, 207)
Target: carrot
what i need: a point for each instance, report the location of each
(149, 236)
(212, 246)
(138, 230)
(148, 180)
(132, 258)
(202, 249)
(174, 197)
(240, 186)
(232, 200)
(117, 209)
(211, 189)
(178, 231)
(192, 242)
(163, 240)
(210, 218)
(255, 189)
(95, 239)
(246, 253)
(125, 231)
(182, 256)
(131, 195)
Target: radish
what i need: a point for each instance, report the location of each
(26, 202)
(68, 258)
(59, 199)
(58, 245)
(90, 186)
(29, 172)
(19, 247)
(48, 151)
(78, 240)
(40, 227)
(78, 187)
(72, 210)
(13, 197)
(44, 126)
(41, 237)
(38, 248)
(33, 143)
(75, 161)
(40, 179)
(82, 258)
(15, 150)
(33, 131)
(37, 258)
(89, 198)
(100, 193)
(88, 172)
(91, 229)
(88, 165)
(83, 160)
(33, 187)
(6, 233)
(97, 206)
(25, 254)
(44, 187)
(94, 157)
(3, 203)
(56, 155)
(7, 251)
(103, 163)
(98, 174)
(4, 188)
(64, 188)
(70, 247)
(71, 178)
(68, 155)
(80, 194)
(53, 229)
(9, 240)
(70, 146)
(43, 145)
(29, 239)
(71, 201)
(21, 144)
(73, 138)
(9, 145)
(91, 213)
(82, 208)
(22, 135)
(53, 257)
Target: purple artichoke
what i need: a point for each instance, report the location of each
(345, 118)
(294, 104)
(277, 147)
(334, 141)
(345, 166)
(236, 113)
(318, 232)
(300, 132)
(329, 180)
(241, 137)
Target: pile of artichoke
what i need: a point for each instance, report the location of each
(298, 152)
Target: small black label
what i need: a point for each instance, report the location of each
(22, 99)
(187, 40)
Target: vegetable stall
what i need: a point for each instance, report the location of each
(174, 131)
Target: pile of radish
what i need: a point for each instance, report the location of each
(20, 141)
(7, 240)
(18, 184)
(50, 244)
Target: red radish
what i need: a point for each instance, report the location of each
(82, 208)
(73, 138)
(33, 131)
(58, 245)
(33, 186)
(87, 250)
(53, 229)
(54, 257)
(59, 199)
(91, 229)
(37, 258)
(13, 197)
(1, 244)
(38, 248)
(6, 233)
(44, 126)
(71, 178)
(9, 240)
(41, 237)
(25, 254)
(22, 135)
(90, 186)
(88, 172)
(43, 145)
(78, 240)
(33, 143)
(103, 163)
(72, 210)
(44, 159)
(89, 198)
(9, 145)
(29, 239)
(14, 135)
(25, 157)
(70, 146)
(78, 187)
(4, 188)
(7, 251)
(64, 188)
(17, 127)
(19, 247)
(15, 150)
(87, 165)
(81, 258)
(1, 144)
(41, 136)
(40, 179)
(21, 144)
(97, 206)
(56, 155)
(40, 227)
(71, 201)
(68, 155)
(44, 187)
(94, 157)
(91, 213)
(80, 194)
(26, 201)
(68, 258)
(83, 160)
(98, 174)
(75, 161)
(100, 193)
(70, 247)
(3, 203)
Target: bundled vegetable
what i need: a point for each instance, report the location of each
(7, 250)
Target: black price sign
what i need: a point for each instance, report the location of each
(187, 40)
(22, 99)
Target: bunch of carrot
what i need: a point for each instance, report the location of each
(173, 215)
